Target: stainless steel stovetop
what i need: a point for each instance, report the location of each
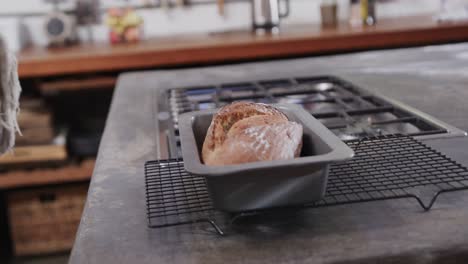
(347, 110)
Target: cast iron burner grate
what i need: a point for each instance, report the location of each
(384, 167)
(347, 110)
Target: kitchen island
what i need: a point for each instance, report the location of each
(114, 228)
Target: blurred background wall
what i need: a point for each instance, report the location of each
(200, 16)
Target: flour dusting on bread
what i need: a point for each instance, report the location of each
(257, 133)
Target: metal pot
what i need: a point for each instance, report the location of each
(266, 15)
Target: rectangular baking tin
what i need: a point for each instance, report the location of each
(266, 184)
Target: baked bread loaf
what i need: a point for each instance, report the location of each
(244, 132)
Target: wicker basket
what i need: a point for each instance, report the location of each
(45, 220)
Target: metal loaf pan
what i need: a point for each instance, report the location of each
(266, 184)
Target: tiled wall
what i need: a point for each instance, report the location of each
(204, 18)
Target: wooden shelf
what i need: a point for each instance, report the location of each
(73, 84)
(300, 40)
(36, 177)
(23, 155)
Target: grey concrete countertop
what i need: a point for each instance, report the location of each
(114, 226)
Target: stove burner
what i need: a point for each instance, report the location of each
(324, 86)
(349, 111)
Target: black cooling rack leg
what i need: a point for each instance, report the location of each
(216, 227)
(422, 204)
(431, 203)
(436, 195)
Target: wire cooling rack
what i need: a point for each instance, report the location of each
(384, 167)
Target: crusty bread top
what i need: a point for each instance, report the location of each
(258, 138)
(228, 115)
(245, 132)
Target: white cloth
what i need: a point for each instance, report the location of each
(10, 90)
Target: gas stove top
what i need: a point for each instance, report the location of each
(349, 111)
